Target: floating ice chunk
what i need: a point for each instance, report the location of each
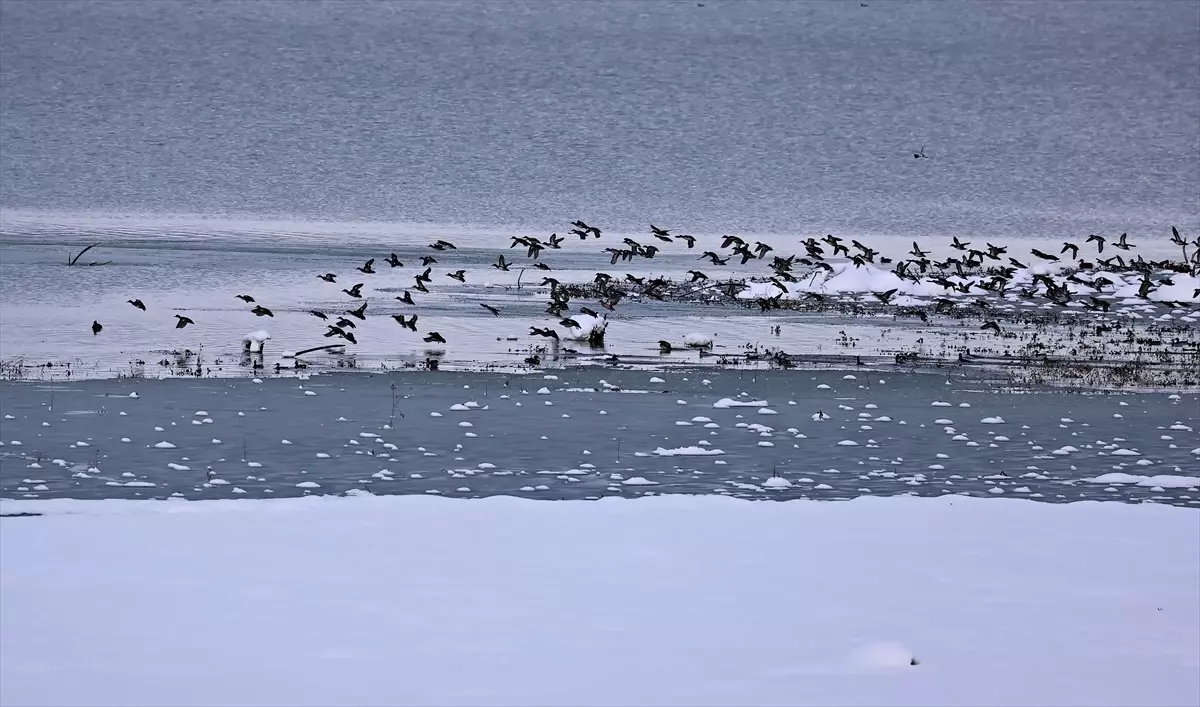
(164, 445)
(697, 340)
(819, 416)
(459, 407)
(126, 439)
(322, 455)
(656, 379)
(940, 404)
(285, 441)
(1125, 453)
(133, 394)
(992, 420)
(435, 414)
(178, 467)
(309, 392)
(777, 482)
(847, 443)
(639, 481)
(766, 411)
(731, 403)
(308, 485)
(695, 451)
(823, 386)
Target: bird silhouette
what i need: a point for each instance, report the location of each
(664, 346)
(361, 312)
(394, 261)
(1071, 247)
(427, 260)
(96, 327)
(1121, 244)
(460, 275)
(443, 245)
(1099, 242)
(501, 264)
(355, 291)
(261, 311)
(183, 321)
(991, 325)
(434, 338)
(409, 323)
(318, 315)
(328, 277)
(137, 303)
(548, 333)
(367, 267)
(246, 298)
(407, 298)
(490, 308)
(690, 240)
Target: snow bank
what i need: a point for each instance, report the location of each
(253, 342)
(286, 603)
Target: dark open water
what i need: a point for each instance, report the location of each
(1042, 119)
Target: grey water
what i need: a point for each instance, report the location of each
(1040, 119)
(590, 433)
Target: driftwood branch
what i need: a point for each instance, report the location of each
(298, 354)
(75, 259)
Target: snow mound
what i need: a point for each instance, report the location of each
(687, 452)
(253, 342)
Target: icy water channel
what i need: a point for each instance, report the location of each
(594, 432)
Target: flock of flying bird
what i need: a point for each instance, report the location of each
(988, 269)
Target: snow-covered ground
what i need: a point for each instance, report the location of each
(664, 600)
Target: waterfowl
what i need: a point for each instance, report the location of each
(245, 298)
(96, 327)
(328, 277)
(367, 267)
(490, 308)
(137, 303)
(183, 321)
(361, 312)
(261, 311)
(355, 291)
(434, 338)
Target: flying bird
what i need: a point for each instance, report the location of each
(407, 298)
(409, 323)
(261, 311)
(434, 338)
(442, 245)
(183, 321)
(245, 298)
(991, 325)
(328, 277)
(1099, 242)
(361, 312)
(367, 267)
(394, 261)
(318, 315)
(138, 303)
(460, 275)
(427, 260)
(355, 291)
(490, 308)
(501, 264)
(1071, 247)
(690, 240)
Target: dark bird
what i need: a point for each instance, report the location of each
(460, 275)
(361, 312)
(367, 267)
(660, 233)
(394, 261)
(434, 338)
(96, 327)
(569, 323)
(409, 323)
(556, 241)
(727, 241)
(501, 264)
(548, 333)
(959, 245)
(318, 315)
(427, 260)
(407, 298)
(419, 286)
(261, 311)
(690, 240)
(1099, 304)
(761, 249)
(696, 275)
(138, 303)
(350, 337)
(442, 245)
(664, 346)
(713, 257)
(183, 321)
(1043, 256)
(1071, 247)
(885, 297)
(328, 277)
(917, 252)
(490, 308)
(589, 311)
(1099, 242)
(1017, 263)
(355, 291)
(425, 275)
(245, 298)
(991, 325)
(541, 266)
(1121, 244)
(917, 155)
(346, 323)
